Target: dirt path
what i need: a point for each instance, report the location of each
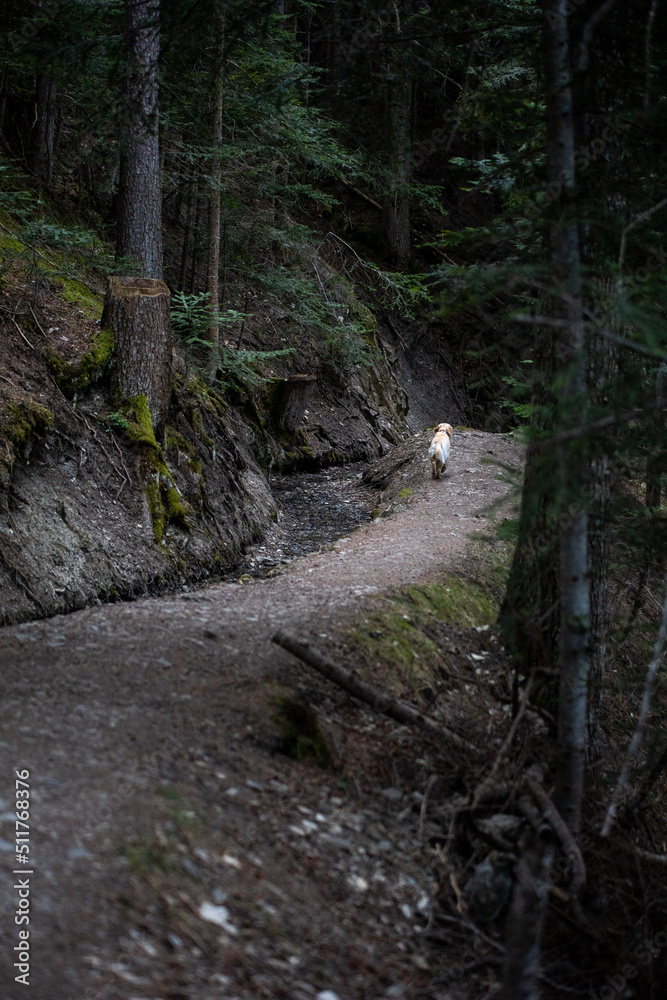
(156, 789)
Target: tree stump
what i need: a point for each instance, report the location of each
(137, 310)
(291, 401)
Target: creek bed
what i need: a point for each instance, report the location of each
(317, 509)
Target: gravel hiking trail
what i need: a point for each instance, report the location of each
(174, 852)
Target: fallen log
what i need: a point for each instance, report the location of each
(401, 711)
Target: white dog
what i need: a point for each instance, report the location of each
(439, 449)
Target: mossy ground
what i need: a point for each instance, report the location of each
(402, 636)
(74, 378)
(78, 294)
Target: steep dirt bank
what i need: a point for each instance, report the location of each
(177, 853)
(92, 511)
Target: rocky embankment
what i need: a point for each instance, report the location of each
(93, 509)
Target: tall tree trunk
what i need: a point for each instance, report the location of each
(520, 979)
(3, 97)
(602, 369)
(188, 227)
(140, 196)
(194, 264)
(529, 616)
(399, 121)
(574, 658)
(216, 181)
(45, 131)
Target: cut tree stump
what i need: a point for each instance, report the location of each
(137, 311)
(291, 401)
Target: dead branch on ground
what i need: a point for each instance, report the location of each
(401, 711)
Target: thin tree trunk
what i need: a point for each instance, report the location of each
(574, 657)
(648, 50)
(216, 181)
(599, 547)
(140, 196)
(3, 97)
(194, 265)
(188, 224)
(397, 200)
(529, 616)
(45, 132)
(525, 919)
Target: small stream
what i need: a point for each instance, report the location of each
(317, 509)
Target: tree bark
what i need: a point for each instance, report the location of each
(188, 213)
(140, 196)
(399, 121)
(137, 310)
(194, 263)
(292, 398)
(568, 520)
(216, 181)
(529, 617)
(45, 132)
(574, 595)
(525, 919)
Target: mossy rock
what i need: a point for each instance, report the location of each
(302, 738)
(74, 378)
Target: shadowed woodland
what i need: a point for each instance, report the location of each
(240, 240)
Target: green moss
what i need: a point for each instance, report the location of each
(456, 600)
(73, 378)
(79, 295)
(178, 442)
(406, 631)
(302, 738)
(165, 503)
(20, 424)
(139, 421)
(404, 494)
(145, 858)
(9, 245)
(27, 419)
